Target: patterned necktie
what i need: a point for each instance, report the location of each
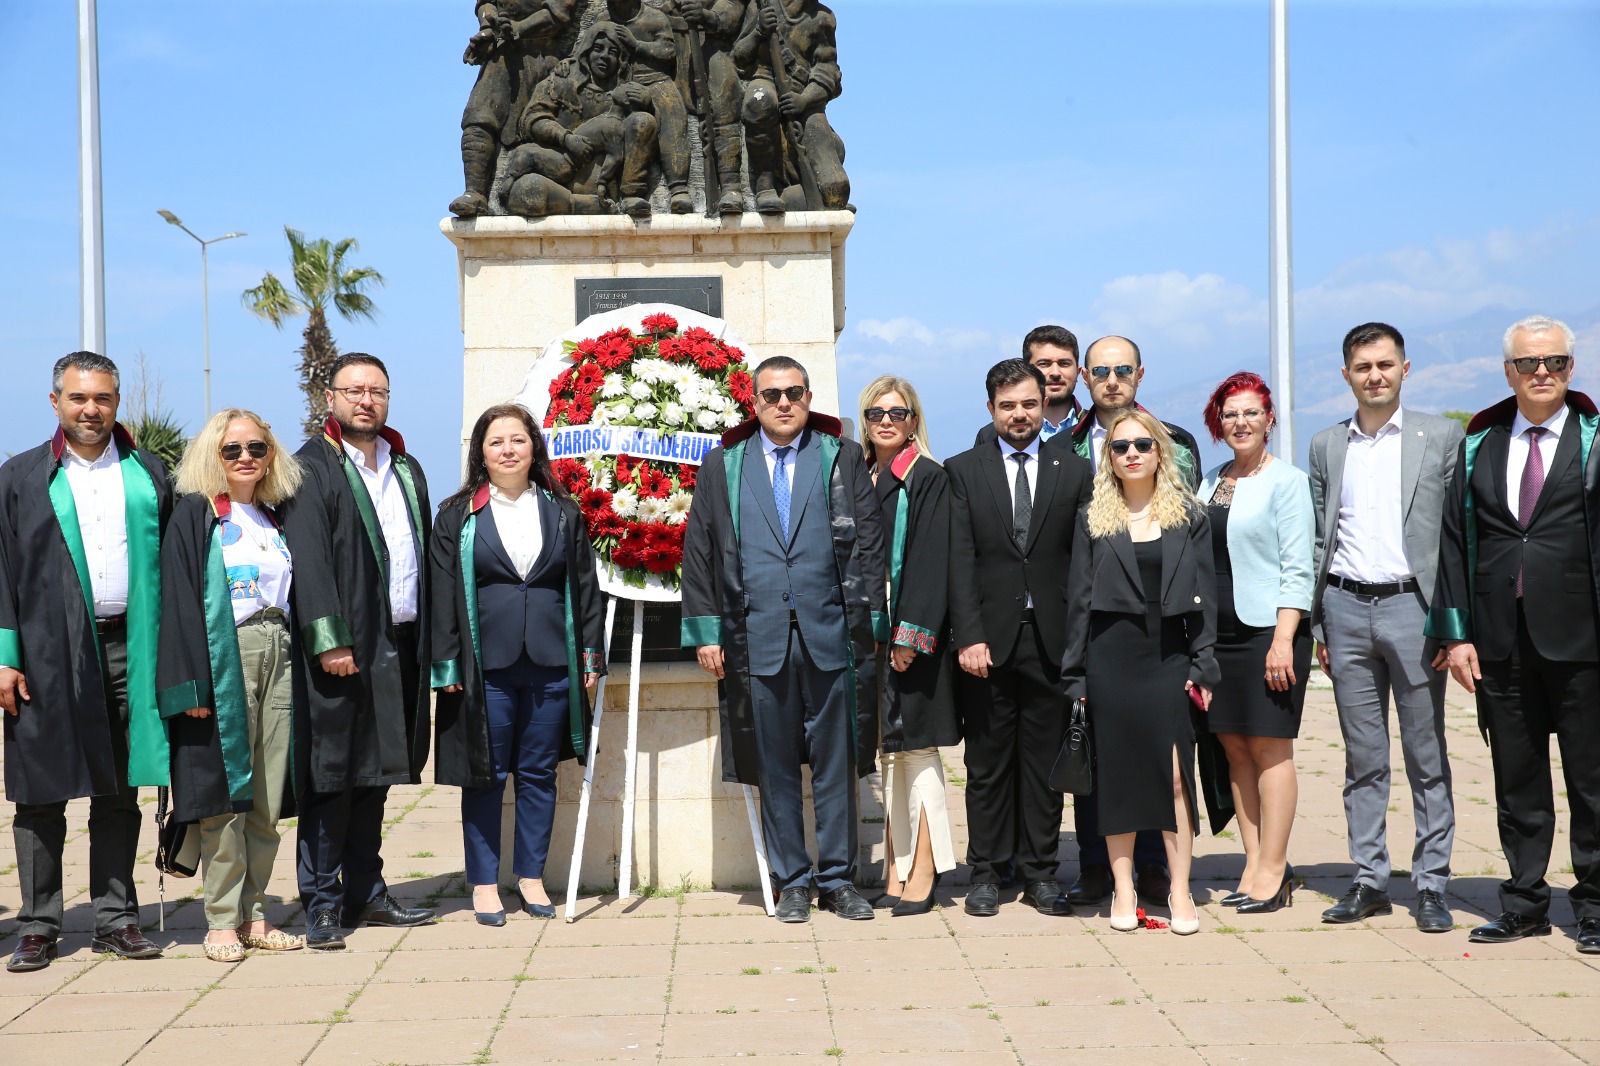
(1532, 485)
(780, 486)
(1021, 502)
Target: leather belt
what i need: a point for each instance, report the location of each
(115, 624)
(267, 614)
(1373, 588)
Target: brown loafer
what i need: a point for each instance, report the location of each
(34, 952)
(127, 942)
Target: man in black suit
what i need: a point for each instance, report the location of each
(1013, 512)
(1054, 350)
(1519, 560)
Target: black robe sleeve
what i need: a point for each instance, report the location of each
(702, 589)
(588, 610)
(444, 581)
(183, 663)
(871, 551)
(1450, 609)
(922, 607)
(308, 528)
(1080, 586)
(966, 607)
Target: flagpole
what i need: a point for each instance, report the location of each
(1280, 300)
(92, 265)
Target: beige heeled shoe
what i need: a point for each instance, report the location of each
(1184, 926)
(1124, 923)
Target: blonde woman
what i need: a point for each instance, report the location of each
(917, 712)
(224, 673)
(1140, 629)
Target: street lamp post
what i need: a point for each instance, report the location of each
(205, 289)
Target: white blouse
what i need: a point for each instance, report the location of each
(517, 522)
(257, 561)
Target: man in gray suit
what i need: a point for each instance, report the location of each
(1379, 482)
(783, 596)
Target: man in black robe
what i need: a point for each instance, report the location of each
(359, 530)
(81, 518)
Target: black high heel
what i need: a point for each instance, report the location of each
(1233, 899)
(1280, 899)
(904, 908)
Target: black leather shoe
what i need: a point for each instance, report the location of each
(386, 910)
(1233, 899)
(35, 951)
(1362, 901)
(1509, 927)
(127, 942)
(1284, 897)
(983, 900)
(846, 902)
(1154, 885)
(323, 932)
(1432, 915)
(1046, 897)
(1589, 936)
(794, 905)
(1092, 888)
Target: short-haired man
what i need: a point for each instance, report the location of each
(81, 519)
(1378, 486)
(1115, 369)
(1014, 510)
(1519, 558)
(359, 529)
(1054, 351)
(783, 596)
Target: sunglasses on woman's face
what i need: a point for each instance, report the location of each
(232, 451)
(896, 414)
(1142, 445)
(796, 393)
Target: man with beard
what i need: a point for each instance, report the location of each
(81, 519)
(1054, 350)
(1014, 510)
(358, 529)
(653, 87)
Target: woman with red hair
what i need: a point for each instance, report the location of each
(1262, 530)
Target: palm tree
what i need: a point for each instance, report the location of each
(320, 277)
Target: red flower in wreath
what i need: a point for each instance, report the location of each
(625, 468)
(588, 379)
(742, 387)
(710, 357)
(606, 523)
(614, 349)
(661, 323)
(563, 382)
(673, 350)
(654, 484)
(686, 475)
(593, 500)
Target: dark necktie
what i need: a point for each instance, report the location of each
(780, 486)
(1532, 485)
(1021, 502)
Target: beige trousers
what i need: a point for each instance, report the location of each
(238, 850)
(913, 784)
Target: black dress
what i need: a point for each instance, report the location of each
(1138, 709)
(1242, 702)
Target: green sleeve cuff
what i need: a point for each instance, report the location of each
(444, 674)
(700, 631)
(909, 636)
(11, 649)
(328, 633)
(594, 661)
(1448, 623)
(173, 701)
(880, 627)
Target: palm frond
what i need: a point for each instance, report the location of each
(354, 305)
(272, 301)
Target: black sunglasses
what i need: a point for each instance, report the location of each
(1142, 445)
(1530, 364)
(1100, 373)
(896, 414)
(796, 393)
(257, 448)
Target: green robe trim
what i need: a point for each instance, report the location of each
(10, 649)
(229, 703)
(444, 673)
(699, 631)
(328, 633)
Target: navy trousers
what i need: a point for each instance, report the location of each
(527, 709)
(338, 841)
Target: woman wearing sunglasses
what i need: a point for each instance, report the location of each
(917, 710)
(1262, 530)
(224, 671)
(1140, 624)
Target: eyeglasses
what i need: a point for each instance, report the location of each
(1142, 445)
(1100, 373)
(796, 393)
(896, 414)
(231, 451)
(1251, 415)
(1530, 364)
(354, 394)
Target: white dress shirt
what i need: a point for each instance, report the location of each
(768, 447)
(1517, 456)
(517, 522)
(394, 519)
(103, 524)
(1371, 541)
(256, 561)
(1030, 468)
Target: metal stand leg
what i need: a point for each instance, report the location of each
(762, 870)
(588, 773)
(631, 756)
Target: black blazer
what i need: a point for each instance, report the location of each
(1105, 578)
(990, 577)
(517, 614)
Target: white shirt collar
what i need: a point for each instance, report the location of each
(1007, 450)
(109, 457)
(1396, 423)
(525, 500)
(1554, 424)
(361, 460)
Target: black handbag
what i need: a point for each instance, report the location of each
(1073, 771)
(177, 843)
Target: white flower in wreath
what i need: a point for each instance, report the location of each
(620, 411)
(652, 510)
(626, 503)
(639, 390)
(733, 418)
(678, 507)
(709, 420)
(645, 412)
(612, 387)
(673, 414)
(601, 416)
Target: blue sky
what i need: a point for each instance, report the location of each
(1100, 165)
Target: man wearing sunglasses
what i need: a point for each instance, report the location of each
(358, 528)
(1115, 370)
(1516, 602)
(783, 598)
(1054, 350)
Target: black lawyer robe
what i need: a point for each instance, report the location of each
(461, 719)
(59, 747)
(357, 731)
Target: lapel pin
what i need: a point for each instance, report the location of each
(1055, 462)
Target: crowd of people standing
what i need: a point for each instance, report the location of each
(273, 634)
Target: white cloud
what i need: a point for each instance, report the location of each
(896, 330)
(1176, 308)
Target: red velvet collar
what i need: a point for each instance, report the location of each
(119, 434)
(332, 430)
(1505, 412)
(747, 429)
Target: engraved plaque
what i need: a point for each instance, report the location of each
(607, 294)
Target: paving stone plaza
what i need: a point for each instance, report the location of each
(689, 976)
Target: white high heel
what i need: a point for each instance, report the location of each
(1124, 923)
(1187, 926)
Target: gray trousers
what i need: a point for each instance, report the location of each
(39, 832)
(1376, 648)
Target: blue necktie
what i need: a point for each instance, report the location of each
(780, 487)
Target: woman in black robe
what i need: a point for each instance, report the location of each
(917, 708)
